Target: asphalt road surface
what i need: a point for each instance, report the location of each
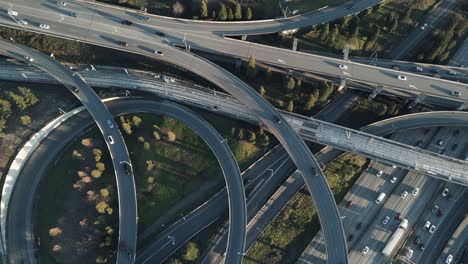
(296, 148)
(105, 29)
(112, 137)
(417, 35)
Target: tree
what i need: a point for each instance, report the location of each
(407, 16)
(141, 139)
(325, 90)
(100, 166)
(240, 134)
(265, 140)
(171, 137)
(251, 68)
(177, 9)
(238, 12)
(191, 252)
(104, 192)
(248, 13)
(222, 13)
(156, 135)
(325, 32)
(146, 146)
(353, 27)
(136, 120)
(101, 260)
(101, 207)
(268, 74)
(261, 91)
(394, 25)
(290, 106)
(291, 83)
(336, 32)
(230, 14)
(150, 165)
(375, 36)
(252, 137)
(311, 99)
(140, 4)
(96, 173)
(203, 9)
(127, 128)
(25, 120)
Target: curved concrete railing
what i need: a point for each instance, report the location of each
(17, 165)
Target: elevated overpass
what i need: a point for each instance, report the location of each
(112, 137)
(363, 143)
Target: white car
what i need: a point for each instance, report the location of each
(386, 219)
(423, 27)
(158, 52)
(44, 26)
(393, 180)
(427, 225)
(110, 139)
(111, 125)
(445, 192)
(365, 250)
(449, 259)
(415, 191)
(12, 12)
(402, 78)
(28, 58)
(432, 229)
(61, 3)
(23, 22)
(404, 194)
(379, 173)
(409, 253)
(343, 67)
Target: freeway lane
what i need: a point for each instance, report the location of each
(141, 39)
(101, 12)
(309, 129)
(112, 137)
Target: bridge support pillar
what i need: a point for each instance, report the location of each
(375, 92)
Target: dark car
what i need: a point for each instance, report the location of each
(160, 34)
(126, 22)
(358, 226)
(442, 151)
(417, 240)
(126, 167)
(350, 237)
(440, 213)
(73, 14)
(456, 132)
(422, 247)
(419, 144)
(454, 146)
(398, 216)
(123, 246)
(314, 172)
(349, 203)
(123, 43)
(277, 119)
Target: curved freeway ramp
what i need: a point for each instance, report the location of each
(112, 137)
(19, 217)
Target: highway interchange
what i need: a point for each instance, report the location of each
(336, 245)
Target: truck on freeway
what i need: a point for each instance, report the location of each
(395, 239)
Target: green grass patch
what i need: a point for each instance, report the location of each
(289, 234)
